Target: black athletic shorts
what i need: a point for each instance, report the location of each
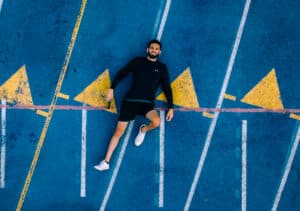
(130, 109)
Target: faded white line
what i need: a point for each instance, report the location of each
(244, 166)
(83, 154)
(158, 19)
(161, 159)
(287, 170)
(3, 144)
(1, 3)
(164, 19)
(219, 105)
(116, 170)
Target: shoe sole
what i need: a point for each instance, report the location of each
(139, 144)
(138, 135)
(99, 169)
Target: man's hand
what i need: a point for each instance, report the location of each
(170, 114)
(109, 95)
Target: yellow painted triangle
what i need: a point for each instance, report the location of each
(94, 94)
(183, 90)
(16, 89)
(265, 93)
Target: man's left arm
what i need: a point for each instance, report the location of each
(168, 92)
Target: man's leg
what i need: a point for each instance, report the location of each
(154, 122)
(119, 131)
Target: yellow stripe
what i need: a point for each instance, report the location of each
(295, 116)
(230, 97)
(42, 113)
(208, 115)
(54, 100)
(61, 95)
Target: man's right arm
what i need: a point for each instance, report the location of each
(123, 73)
(120, 75)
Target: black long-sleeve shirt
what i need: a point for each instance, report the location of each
(146, 78)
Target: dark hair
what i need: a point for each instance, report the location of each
(154, 41)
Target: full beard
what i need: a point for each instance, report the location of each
(153, 56)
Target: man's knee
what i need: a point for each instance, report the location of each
(156, 122)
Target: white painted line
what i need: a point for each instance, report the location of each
(287, 170)
(3, 144)
(83, 154)
(219, 105)
(116, 170)
(162, 113)
(161, 159)
(1, 3)
(244, 166)
(158, 19)
(164, 19)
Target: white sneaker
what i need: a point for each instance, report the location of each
(140, 137)
(102, 166)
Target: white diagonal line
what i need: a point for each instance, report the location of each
(116, 170)
(1, 3)
(219, 105)
(287, 170)
(164, 19)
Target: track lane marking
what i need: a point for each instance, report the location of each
(118, 165)
(287, 169)
(244, 166)
(218, 106)
(3, 144)
(52, 106)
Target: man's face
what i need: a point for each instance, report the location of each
(153, 50)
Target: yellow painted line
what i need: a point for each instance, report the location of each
(64, 96)
(230, 97)
(54, 100)
(42, 113)
(208, 115)
(295, 116)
